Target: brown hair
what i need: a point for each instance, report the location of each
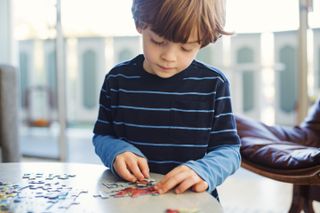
(176, 20)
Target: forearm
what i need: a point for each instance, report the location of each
(108, 147)
(217, 165)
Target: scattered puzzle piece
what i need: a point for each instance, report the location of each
(128, 189)
(39, 193)
(47, 193)
(183, 210)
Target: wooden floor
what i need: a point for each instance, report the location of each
(243, 192)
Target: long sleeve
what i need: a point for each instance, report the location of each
(108, 147)
(223, 155)
(217, 165)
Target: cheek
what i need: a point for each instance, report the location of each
(149, 52)
(186, 60)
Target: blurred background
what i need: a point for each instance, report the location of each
(62, 51)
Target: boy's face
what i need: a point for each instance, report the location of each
(165, 58)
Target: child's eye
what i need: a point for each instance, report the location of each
(157, 42)
(186, 49)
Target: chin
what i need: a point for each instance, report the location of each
(165, 75)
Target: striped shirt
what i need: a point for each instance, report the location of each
(179, 120)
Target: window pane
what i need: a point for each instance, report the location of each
(245, 56)
(89, 79)
(24, 61)
(288, 79)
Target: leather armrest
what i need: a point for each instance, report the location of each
(279, 154)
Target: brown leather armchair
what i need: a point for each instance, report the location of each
(290, 155)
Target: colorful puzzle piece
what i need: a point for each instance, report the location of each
(136, 192)
(39, 193)
(128, 189)
(182, 210)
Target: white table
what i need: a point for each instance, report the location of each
(90, 180)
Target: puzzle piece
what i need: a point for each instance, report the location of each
(103, 195)
(145, 182)
(183, 210)
(128, 189)
(32, 176)
(61, 177)
(136, 192)
(40, 193)
(116, 185)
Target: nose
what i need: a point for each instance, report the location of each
(169, 54)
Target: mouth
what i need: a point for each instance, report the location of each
(165, 68)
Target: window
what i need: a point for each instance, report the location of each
(89, 70)
(288, 79)
(51, 74)
(245, 56)
(125, 55)
(24, 75)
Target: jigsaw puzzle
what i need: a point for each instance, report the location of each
(128, 189)
(39, 193)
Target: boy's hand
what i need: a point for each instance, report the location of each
(131, 167)
(181, 178)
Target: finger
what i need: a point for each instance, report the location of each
(169, 175)
(200, 186)
(186, 184)
(165, 178)
(122, 170)
(143, 165)
(172, 182)
(134, 169)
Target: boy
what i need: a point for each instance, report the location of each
(165, 112)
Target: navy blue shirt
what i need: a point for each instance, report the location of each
(185, 119)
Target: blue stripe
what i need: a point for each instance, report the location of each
(104, 122)
(159, 109)
(166, 145)
(162, 93)
(224, 97)
(104, 107)
(124, 76)
(223, 114)
(203, 78)
(164, 161)
(161, 127)
(223, 131)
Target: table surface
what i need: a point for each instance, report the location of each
(85, 183)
